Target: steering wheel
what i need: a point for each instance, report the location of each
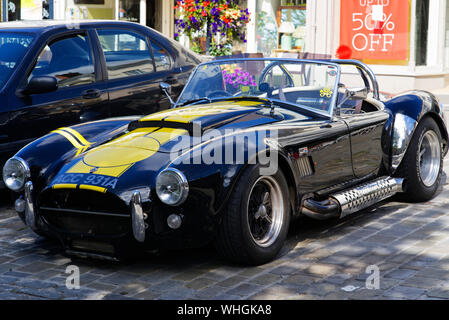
(219, 93)
(269, 67)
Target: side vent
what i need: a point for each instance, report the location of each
(304, 165)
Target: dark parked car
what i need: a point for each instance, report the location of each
(251, 145)
(55, 74)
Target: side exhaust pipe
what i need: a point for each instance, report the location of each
(344, 203)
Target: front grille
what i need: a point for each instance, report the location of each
(85, 212)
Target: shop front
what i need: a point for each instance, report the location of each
(406, 42)
(27, 9)
(157, 14)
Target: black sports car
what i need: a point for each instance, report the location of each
(56, 73)
(249, 145)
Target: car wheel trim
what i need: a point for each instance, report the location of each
(265, 211)
(429, 158)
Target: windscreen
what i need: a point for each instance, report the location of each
(301, 83)
(12, 48)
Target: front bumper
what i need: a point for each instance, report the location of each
(97, 225)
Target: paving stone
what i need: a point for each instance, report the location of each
(101, 286)
(338, 279)
(17, 274)
(36, 267)
(322, 289)
(250, 272)
(300, 280)
(130, 289)
(147, 295)
(402, 292)
(244, 289)
(266, 279)
(279, 292)
(438, 293)
(230, 282)
(200, 283)
(167, 285)
(401, 274)
(209, 292)
(433, 273)
(119, 278)
(284, 270)
(421, 282)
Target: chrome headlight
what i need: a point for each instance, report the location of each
(172, 187)
(15, 174)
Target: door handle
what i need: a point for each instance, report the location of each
(91, 94)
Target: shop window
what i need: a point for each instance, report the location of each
(126, 53)
(28, 10)
(422, 28)
(129, 10)
(161, 58)
(446, 54)
(69, 60)
(266, 27)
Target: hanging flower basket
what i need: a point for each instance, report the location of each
(220, 21)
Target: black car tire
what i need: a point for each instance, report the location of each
(235, 240)
(416, 190)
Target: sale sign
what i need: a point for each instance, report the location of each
(374, 29)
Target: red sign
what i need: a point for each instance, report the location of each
(374, 29)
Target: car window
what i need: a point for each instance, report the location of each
(12, 47)
(68, 59)
(126, 53)
(161, 58)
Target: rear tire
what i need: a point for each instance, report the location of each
(422, 165)
(256, 220)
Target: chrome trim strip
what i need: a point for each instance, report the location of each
(137, 215)
(30, 210)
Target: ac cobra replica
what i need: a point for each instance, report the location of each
(249, 145)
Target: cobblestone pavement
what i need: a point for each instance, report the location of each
(321, 260)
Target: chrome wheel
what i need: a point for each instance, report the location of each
(429, 158)
(265, 211)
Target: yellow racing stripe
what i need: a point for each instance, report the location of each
(69, 137)
(65, 186)
(77, 135)
(93, 188)
(79, 143)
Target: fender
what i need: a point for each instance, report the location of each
(222, 177)
(407, 110)
(46, 155)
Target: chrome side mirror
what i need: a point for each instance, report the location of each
(352, 94)
(167, 90)
(357, 93)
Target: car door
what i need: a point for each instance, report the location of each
(321, 152)
(365, 130)
(80, 96)
(133, 80)
(365, 119)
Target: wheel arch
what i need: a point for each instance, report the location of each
(408, 110)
